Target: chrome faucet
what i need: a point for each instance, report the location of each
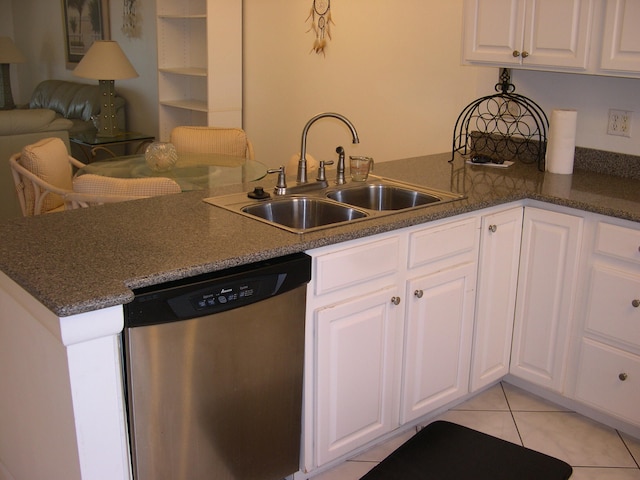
(340, 180)
(302, 163)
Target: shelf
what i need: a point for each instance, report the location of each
(196, 105)
(182, 17)
(199, 63)
(187, 71)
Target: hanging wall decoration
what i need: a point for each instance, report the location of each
(320, 16)
(130, 19)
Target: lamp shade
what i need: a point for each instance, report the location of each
(9, 53)
(105, 60)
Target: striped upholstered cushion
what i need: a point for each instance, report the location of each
(49, 160)
(228, 141)
(143, 187)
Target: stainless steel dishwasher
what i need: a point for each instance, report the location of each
(213, 368)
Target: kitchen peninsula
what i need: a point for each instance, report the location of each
(66, 275)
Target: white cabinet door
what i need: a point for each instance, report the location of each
(493, 30)
(547, 284)
(496, 297)
(439, 327)
(621, 38)
(358, 346)
(557, 33)
(608, 379)
(546, 34)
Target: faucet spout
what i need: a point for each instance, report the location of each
(302, 163)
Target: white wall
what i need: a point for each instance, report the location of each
(592, 96)
(393, 68)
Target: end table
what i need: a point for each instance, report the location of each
(90, 143)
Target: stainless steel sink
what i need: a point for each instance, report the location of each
(319, 206)
(380, 196)
(303, 213)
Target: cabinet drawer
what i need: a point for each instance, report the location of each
(611, 311)
(353, 265)
(618, 242)
(599, 380)
(445, 241)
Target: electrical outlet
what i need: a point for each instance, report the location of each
(619, 123)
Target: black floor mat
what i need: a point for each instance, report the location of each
(446, 451)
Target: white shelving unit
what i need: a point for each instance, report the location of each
(199, 63)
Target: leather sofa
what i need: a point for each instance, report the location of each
(74, 101)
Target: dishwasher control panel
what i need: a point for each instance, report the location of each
(225, 295)
(220, 297)
(216, 292)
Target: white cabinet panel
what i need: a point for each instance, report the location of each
(360, 263)
(438, 340)
(621, 38)
(610, 380)
(493, 30)
(546, 296)
(537, 34)
(618, 242)
(357, 372)
(557, 33)
(452, 242)
(496, 296)
(613, 309)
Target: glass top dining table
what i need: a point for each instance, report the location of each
(192, 171)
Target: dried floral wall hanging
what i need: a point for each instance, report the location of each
(130, 19)
(320, 16)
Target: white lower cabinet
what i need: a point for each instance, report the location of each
(437, 353)
(608, 373)
(391, 320)
(547, 285)
(357, 372)
(609, 379)
(403, 323)
(500, 235)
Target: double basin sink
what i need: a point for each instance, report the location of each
(323, 207)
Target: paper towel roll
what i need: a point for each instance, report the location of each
(561, 145)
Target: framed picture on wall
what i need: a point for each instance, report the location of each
(84, 22)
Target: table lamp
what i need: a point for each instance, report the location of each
(106, 62)
(8, 54)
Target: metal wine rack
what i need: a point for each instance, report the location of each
(502, 127)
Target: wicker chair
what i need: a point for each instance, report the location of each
(90, 189)
(42, 174)
(228, 141)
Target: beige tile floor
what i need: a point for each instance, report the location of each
(593, 450)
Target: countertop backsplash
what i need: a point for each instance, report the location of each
(607, 163)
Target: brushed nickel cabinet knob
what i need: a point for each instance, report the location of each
(516, 53)
(525, 54)
(623, 376)
(395, 300)
(493, 228)
(635, 303)
(418, 293)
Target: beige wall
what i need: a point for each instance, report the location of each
(393, 68)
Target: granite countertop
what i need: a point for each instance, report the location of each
(83, 260)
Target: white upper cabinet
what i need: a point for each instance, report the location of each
(621, 38)
(535, 34)
(493, 31)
